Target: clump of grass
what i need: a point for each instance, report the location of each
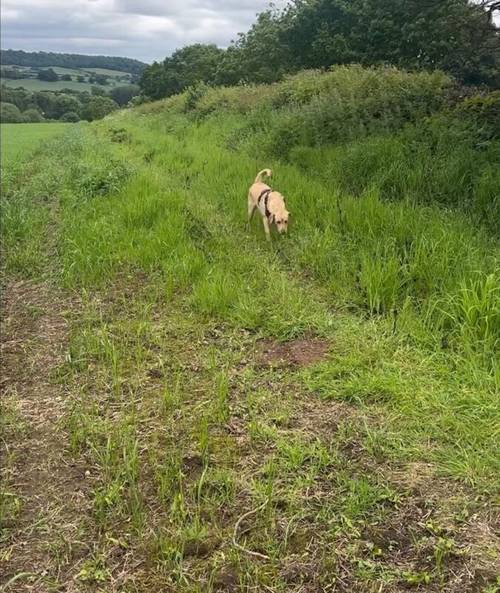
(472, 315)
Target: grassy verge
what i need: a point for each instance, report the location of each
(301, 417)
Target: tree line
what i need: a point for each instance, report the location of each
(10, 57)
(459, 37)
(50, 75)
(22, 106)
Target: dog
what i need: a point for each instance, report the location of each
(270, 203)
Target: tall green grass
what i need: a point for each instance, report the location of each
(395, 182)
(170, 403)
(168, 201)
(378, 127)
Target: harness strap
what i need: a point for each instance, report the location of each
(265, 194)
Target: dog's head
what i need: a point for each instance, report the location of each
(281, 221)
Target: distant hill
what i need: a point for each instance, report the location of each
(45, 59)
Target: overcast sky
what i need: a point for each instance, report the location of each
(142, 29)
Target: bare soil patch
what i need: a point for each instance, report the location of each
(298, 353)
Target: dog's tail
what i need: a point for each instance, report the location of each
(260, 174)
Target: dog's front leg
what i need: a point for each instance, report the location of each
(266, 228)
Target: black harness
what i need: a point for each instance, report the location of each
(265, 196)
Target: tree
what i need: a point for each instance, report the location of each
(123, 94)
(259, 55)
(98, 91)
(101, 79)
(70, 117)
(12, 73)
(457, 36)
(64, 103)
(491, 7)
(185, 67)
(9, 113)
(32, 116)
(98, 107)
(451, 35)
(80, 78)
(66, 77)
(20, 97)
(155, 83)
(48, 75)
(47, 103)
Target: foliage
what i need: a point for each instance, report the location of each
(48, 75)
(20, 97)
(101, 79)
(483, 111)
(122, 95)
(98, 107)
(32, 116)
(9, 113)
(257, 56)
(186, 67)
(12, 73)
(54, 105)
(98, 91)
(70, 116)
(455, 36)
(366, 128)
(452, 35)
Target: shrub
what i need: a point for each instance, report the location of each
(124, 94)
(9, 113)
(48, 75)
(98, 107)
(483, 111)
(70, 116)
(32, 116)
(194, 93)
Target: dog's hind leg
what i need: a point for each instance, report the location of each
(251, 209)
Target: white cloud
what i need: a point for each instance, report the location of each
(147, 30)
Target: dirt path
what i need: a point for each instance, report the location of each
(45, 496)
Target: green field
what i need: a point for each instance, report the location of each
(190, 409)
(107, 71)
(18, 140)
(33, 84)
(70, 71)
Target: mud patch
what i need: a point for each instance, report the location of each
(298, 353)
